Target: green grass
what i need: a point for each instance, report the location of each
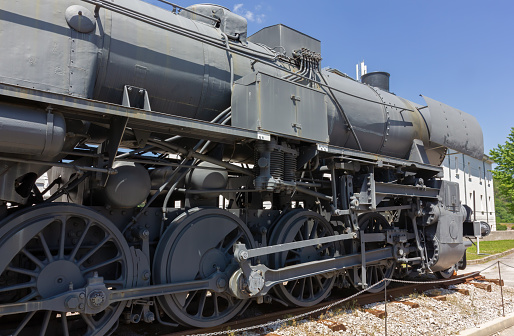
(488, 248)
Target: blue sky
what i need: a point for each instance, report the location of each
(460, 52)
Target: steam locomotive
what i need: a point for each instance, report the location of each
(194, 169)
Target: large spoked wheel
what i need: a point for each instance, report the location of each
(47, 250)
(376, 223)
(301, 225)
(197, 244)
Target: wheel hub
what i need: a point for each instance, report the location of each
(57, 277)
(212, 260)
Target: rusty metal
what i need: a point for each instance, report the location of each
(272, 316)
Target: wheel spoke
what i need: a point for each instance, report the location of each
(64, 321)
(30, 296)
(302, 289)
(46, 320)
(22, 271)
(48, 254)
(323, 247)
(23, 323)
(81, 240)
(189, 299)
(306, 231)
(93, 250)
(322, 233)
(63, 238)
(216, 308)
(292, 260)
(33, 258)
(201, 304)
(102, 264)
(382, 274)
(295, 252)
(303, 225)
(23, 285)
(42, 266)
(89, 321)
(313, 230)
(311, 288)
(232, 242)
(318, 280)
(294, 285)
(299, 235)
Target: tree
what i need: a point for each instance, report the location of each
(503, 173)
(503, 213)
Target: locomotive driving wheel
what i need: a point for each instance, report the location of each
(50, 249)
(301, 225)
(197, 244)
(375, 223)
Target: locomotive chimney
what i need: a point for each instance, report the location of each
(377, 79)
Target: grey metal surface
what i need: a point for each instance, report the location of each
(134, 75)
(274, 105)
(241, 250)
(129, 187)
(149, 120)
(48, 232)
(455, 129)
(285, 40)
(377, 79)
(289, 273)
(233, 25)
(80, 18)
(27, 131)
(384, 123)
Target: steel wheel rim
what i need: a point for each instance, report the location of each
(42, 255)
(294, 226)
(218, 229)
(447, 273)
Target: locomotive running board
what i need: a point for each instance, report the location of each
(154, 121)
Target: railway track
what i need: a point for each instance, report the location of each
(276, 311)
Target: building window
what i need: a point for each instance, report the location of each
(480, 174)
(456, 166)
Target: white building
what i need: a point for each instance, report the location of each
(475, 183)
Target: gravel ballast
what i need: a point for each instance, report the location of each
(433, 317)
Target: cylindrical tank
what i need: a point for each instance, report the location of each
(183, 76)
(379, 79)
(129, 187)
(384, 123)
(30, 131)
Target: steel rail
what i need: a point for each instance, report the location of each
(361, 300)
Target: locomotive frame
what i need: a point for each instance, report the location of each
(101, 249)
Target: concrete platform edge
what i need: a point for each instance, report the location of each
(489, 258)
(491, 327)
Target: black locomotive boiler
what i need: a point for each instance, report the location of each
(193, 169)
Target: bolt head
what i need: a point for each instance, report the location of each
(221, 283)
(243, 255)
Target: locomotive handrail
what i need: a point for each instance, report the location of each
(175, 6)
(236, 49)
